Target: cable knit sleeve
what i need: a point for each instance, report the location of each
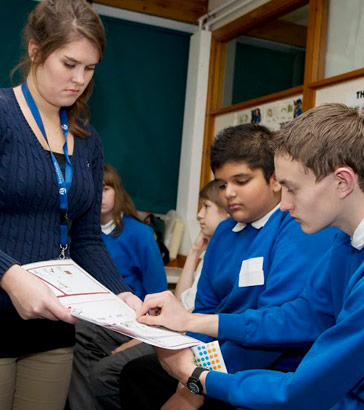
(6, 261)
(87, 247)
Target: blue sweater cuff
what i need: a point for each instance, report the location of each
(217, 385)
(200, 336)
(6, 262)
(232, 327)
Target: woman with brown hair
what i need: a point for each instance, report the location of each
(51, 167)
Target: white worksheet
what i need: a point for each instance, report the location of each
(89, 300)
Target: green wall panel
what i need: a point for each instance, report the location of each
(137, 106)
(13, 16)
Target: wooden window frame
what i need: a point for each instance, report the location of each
(314, 64)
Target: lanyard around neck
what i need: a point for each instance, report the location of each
(63, 182)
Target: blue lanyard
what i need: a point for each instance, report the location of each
(64, 183)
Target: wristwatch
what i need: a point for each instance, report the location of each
(193, 382)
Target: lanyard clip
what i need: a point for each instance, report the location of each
(62, 255)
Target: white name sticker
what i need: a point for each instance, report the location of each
(251, 272)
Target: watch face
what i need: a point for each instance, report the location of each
(194, 387)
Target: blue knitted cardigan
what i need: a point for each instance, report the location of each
(29, 221)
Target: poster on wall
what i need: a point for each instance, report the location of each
(270, 115)
(297, 110)
(355, 99)
(273, 115)
(242, 117)
(277, 114)
(256, 116)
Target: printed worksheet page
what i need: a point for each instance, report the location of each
(89, 300)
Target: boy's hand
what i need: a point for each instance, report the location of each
(183, 399)
(178, 363)
(200, 243)
(165, 310)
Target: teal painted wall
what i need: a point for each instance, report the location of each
(137, 106)
(13, 16)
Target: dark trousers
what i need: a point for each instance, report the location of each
(95, 375)
(145, 385)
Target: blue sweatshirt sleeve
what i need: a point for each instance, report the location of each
(87, 247)
(330, 370)
(153, 274)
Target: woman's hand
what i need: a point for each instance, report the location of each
(131, 300)
(32, 298)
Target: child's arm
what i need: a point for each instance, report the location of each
(186, 279)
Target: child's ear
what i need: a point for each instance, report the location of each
(32, 49)
(346, 180)
(276, 186)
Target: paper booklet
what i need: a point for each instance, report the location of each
(89, 300)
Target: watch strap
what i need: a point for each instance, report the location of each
(193, 382)
(197, 372)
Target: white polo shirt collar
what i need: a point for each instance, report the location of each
(357, 240)
(108, 227)
(259, 223)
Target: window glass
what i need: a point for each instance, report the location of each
(345, 37)
(266, 59)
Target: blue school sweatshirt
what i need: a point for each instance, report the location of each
(331, 375)
(136, 255)
(278, 258)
